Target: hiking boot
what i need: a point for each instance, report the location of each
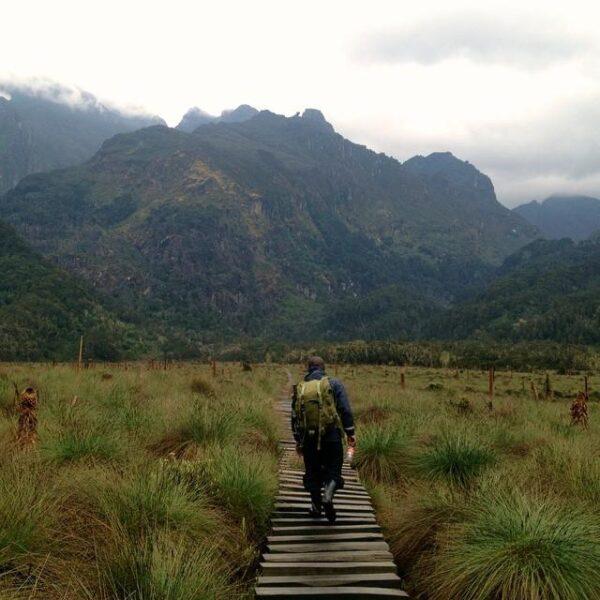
(328, 493)
(330, 512)
(316, 506)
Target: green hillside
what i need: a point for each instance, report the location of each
(43, 311)
(548, 290)
(267, 227)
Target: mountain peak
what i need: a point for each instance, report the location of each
(558, 216)
(242, 113)
(447, 166)
(193, 118)
(315, 118)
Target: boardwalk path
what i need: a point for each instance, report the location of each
(308, 558)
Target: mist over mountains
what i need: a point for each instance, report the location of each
(252, 225)
(195, 117)
(575, 217)
(54, 127)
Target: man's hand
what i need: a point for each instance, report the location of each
(352, 441)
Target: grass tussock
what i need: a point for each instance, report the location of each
(514, 546)
(381, 454)
(457, 459)
(203, 387)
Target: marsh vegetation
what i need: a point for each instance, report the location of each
(143, 484)
(148, 484)
(480, 499)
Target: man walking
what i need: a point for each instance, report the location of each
(321, 415)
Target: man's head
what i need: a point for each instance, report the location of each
(314, 363)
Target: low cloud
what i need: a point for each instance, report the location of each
(59, 93)
(527, 42)
(50, 90)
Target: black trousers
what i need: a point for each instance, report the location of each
(324, 465)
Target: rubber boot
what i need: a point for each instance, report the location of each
(316, 505)
(328, 493)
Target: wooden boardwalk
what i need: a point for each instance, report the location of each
(309, 558)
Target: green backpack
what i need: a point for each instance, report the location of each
(314, 408)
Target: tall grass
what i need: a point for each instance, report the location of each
(381, 454)
(456, 458)
(482, 504)
(144, 484)
(514, 546)
(244, 482)
(160, 567)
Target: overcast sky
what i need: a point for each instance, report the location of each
(511, 86)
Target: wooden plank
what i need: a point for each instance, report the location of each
(299, 487)
(297, 490)
(328, 593)
(299, 481)
(384, 580)
(327, 547)
(308, 529)
(325, 536)
(337, 500)
(339, 506)
(345, 555)
(342, 519)
(328, 568)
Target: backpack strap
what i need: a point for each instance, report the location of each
(320, 396)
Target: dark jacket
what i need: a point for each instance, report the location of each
(342, 405)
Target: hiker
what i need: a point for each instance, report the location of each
(321, 415)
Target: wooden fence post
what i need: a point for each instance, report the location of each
(491, 377)
(80, 360)
(548, 393)
(402, 378)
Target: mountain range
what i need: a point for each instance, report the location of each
(54, 127)
(254, 225)
(575, 217)
(263, 226)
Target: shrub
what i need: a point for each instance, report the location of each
(519, 547)
(160, 567)
(435, 387)
(412, 522)
(81, 443)
(455, 458)
(151, 498)
(201, 386)
(28, 523)
(381, 454)
(243, 482)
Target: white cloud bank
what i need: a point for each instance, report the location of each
(523, 41)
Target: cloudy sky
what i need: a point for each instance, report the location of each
(512, 86)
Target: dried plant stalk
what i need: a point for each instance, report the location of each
(579, 411)
(27, 425)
